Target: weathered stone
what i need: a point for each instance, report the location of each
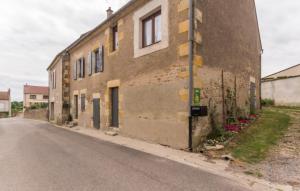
(213, 148)
(111, 133)
(227, 157)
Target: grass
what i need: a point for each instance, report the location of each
(253, 144)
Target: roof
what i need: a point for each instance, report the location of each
(87, 34)
(36, 90)
(288, 72)
(4, 95)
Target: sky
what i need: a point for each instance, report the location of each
(32, 32)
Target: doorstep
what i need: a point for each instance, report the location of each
(196, 160)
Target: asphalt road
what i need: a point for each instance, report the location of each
(36, 156)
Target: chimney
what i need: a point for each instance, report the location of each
(109, 12)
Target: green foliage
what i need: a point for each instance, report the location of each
(217, 132)
(253, 144)
(16, 107)
(267, 102)
(39, 106)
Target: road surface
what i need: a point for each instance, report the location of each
(35, 156)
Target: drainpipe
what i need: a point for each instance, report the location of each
(191, 72)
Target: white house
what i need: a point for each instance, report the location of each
(283, 87)
(5, 104)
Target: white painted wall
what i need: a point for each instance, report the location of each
(283, 91)
(4, 106)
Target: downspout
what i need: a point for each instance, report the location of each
(191, 72)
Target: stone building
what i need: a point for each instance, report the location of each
(283, 87)
(5, 104)
(35, 95)
(141, 70)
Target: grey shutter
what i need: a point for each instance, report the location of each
(78, 68)
(54, 83)
(83, 67)
(75, 71)
(98, 61)
(101, 58)
(93, 62)
(90, 64)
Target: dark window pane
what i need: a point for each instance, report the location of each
(115, 38)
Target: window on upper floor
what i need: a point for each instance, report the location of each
(32, 96)
(151, 32)
(151, 28)
(53, 79)
(96, 61)
(45, 97)
(115, 39)
(79, 69)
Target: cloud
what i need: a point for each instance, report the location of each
(32, 32)
(280, 29)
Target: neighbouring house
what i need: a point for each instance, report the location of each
(35, 95)
(5, 104)
(283, 87)
(141, 74)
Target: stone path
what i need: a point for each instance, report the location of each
(283, 163)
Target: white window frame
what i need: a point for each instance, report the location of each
(145, 11)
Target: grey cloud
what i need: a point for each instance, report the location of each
(32, 32)
(280, 28)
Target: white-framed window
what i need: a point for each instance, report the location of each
(151, 28)
(96, 61)
(79, 69)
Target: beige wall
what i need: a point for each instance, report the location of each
(227, 38)
(153, 91)
(284, 92)
(39, 99)
(55, 94)
(4, 106)
(153, 83)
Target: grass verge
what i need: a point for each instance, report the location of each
(253, 143)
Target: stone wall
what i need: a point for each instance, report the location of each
(152, 88)
(37, 114)
(227, 60)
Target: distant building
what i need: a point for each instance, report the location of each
(35, 95)
(283, 87)
(5, 104)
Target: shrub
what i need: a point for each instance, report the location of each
(267, 102)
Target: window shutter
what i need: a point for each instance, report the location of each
(101, 58)
(55, 79)
(78, 68)
(93, 62)
(90, 63)
(75, 71)
(83, 67)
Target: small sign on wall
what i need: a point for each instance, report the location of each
(197, 96)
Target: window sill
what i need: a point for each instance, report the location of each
(151, 49)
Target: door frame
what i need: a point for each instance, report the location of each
(114, 105)
(99, 113)
(76, 106)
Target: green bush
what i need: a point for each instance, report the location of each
(267, 102)
(39, 106)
